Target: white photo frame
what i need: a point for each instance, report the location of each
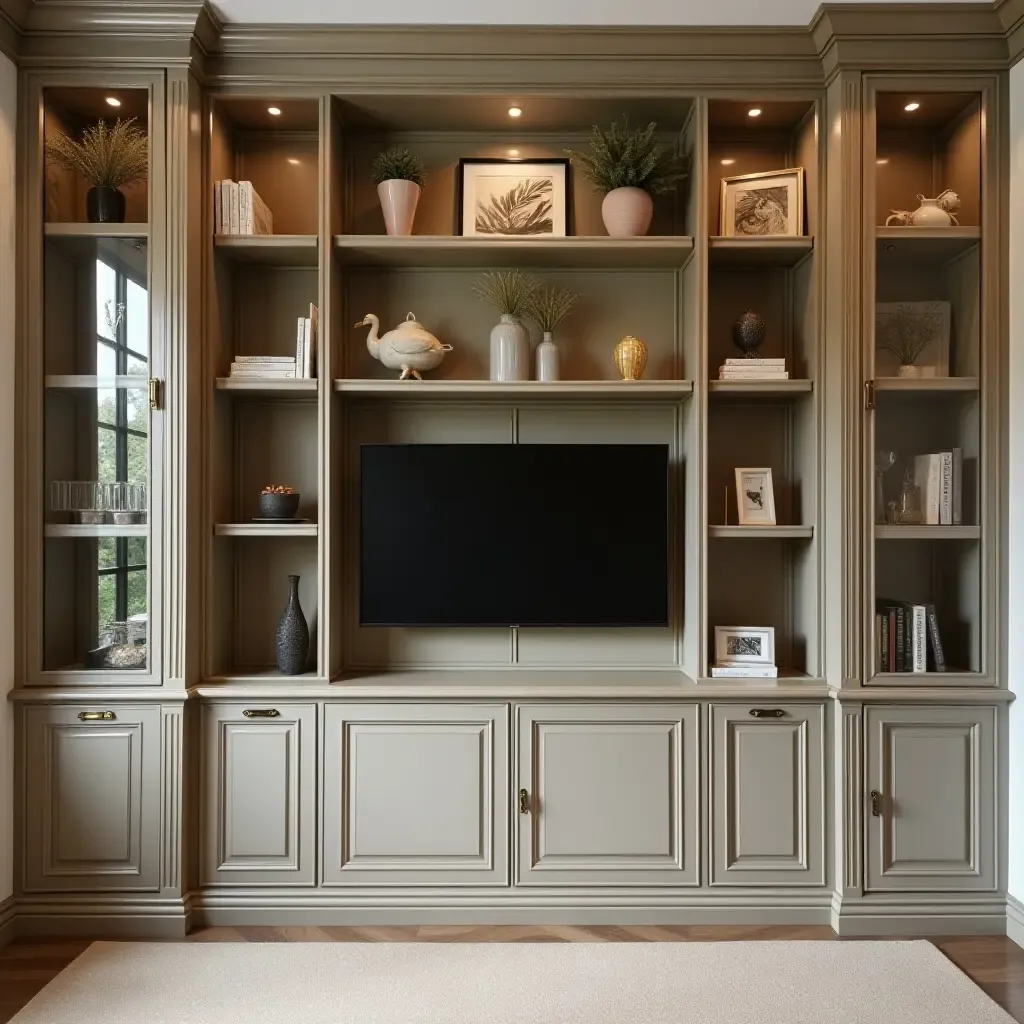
(766, 204)
(745, 645)
(499, 198)
(755, 497)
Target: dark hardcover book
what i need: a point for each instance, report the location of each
(891, 612)
(883, 641)
(901, 638)
(936, 658)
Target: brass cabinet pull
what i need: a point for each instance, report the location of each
(766, 713)
(524, 802)
(876, 804)
(261, 713)
(96, 716)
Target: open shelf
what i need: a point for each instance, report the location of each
(271, 250)
(72, 530)
(760, 388)
(894, 532)
(266, 529)
(923, 385)
(75, 230)
(617, 390)
(924, 245)
(299, 387)
(746, 532)
(87, 381)
(454, 251)
(758, 252)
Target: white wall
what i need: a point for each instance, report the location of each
(8, 117)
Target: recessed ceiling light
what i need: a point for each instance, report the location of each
(912, 106)
(513, 152)
(728, 161)
(293, 159)
(514, 111)
(754, 112)
(274, 111)
(882, 160)
(113, 101)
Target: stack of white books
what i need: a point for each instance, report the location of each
(238, 210)
(753, 369)
(744, 671)
(938, 477)
(305, 343)
(263, 367)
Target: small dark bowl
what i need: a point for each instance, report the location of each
(279, 506)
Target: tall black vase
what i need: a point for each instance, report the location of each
(292, 634)
(104, 205)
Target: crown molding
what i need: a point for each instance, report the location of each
(1011, 17)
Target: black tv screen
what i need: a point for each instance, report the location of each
(514, 535)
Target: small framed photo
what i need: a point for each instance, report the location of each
(755, 497)
(769, 203)
(744, 645)
(512, 198)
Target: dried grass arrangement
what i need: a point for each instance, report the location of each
(508, 291)
(547, 307)
(108, 156)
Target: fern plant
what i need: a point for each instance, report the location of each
(547, 307)
(398, 163)
(624, 158)
(508, 291)
(108, 156)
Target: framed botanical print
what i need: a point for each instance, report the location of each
(744, 645)
(755, 497)
(770, 203)
(512, 198)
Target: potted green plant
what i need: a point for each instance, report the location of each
(509, 292)
(109, 157)
(629, 166)
(547, 307)
(400, 179)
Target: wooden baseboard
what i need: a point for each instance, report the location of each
(904, 916)
(1015, 919)
(8, 921)
(98, 919)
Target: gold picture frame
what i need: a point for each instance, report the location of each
(767, 204)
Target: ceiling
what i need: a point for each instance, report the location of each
(528, 12)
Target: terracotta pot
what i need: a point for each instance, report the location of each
(398, 199)
(627, 212)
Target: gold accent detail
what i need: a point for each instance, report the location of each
(767, 713)
(96, 716)
(261, 713)
(876, 804)
(630, 358)
(869, 394)
(155, 393)
(524, 802)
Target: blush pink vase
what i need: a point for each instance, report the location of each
(398, 199)
(627, 212)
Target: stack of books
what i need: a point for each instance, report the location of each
(744, 671)
(238, 210)
(907, 637)
(753, 369)
(300, 365)
(938, 476)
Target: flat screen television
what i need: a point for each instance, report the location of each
(514, 535)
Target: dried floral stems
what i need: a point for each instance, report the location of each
(908, 332)
(547, 307)
(508, 291)
(107, 156)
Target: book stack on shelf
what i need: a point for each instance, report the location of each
(753, 369)
(938, 476)
(300, 365)
(907, 637)
(238, 210)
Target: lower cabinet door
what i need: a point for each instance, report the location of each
(416, 794)
(607, 794)
(91, 798)
(259, 792)
(767, 800)
(930, 798)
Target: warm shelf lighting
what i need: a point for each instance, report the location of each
(728, 161)
(513, 152)
(274, 111)
(113, 101)
(514, 111)
(911, 107)
(754, 112)
(293, 160)
(882, 160)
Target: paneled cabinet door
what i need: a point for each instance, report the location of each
(930, 798)
(768, 823)
(416, 794)
(607, 794)
(91, 784)
(259, 792)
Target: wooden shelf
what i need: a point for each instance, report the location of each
(557, 391)
(272, 250)
(72, 530)
(262, 675)
(774, 532)
(75, 230)
(758, 252)
(931, 245)
(892, 532)
(266, 529)
(590, 251)
(760, 388)
(926, 385)
(301, 387)
(85, 381)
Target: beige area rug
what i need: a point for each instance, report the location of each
(542, 983)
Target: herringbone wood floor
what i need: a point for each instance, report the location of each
(994, 963)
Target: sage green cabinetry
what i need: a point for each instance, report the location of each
(91, 798)
(259, 790)
(765, 783)
(607, 794)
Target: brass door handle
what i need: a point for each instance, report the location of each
(524, 802)
(261, 713)
(767, 713)
(876, 804)
(96, 716)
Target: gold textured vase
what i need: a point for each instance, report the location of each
(630, 358)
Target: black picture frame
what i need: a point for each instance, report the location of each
(471, 161)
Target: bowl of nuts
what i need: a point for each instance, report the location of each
(279, 501)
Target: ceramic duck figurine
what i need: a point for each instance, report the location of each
(410, 347)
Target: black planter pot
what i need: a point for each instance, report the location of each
(104, 205)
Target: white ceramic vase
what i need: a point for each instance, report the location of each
(627, 212)
(930, 215)
(910, 370)
(398, 199)
(510, 350)
(547, 359)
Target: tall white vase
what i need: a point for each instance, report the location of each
(547, 359)
(510, 350)
(398, 199)
(627, 212)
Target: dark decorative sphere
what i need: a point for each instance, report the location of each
(748, 333)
